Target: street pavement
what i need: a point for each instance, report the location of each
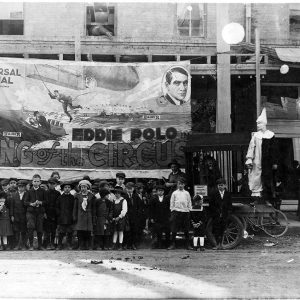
(259, 267)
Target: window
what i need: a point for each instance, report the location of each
(11, 18)
(294, 19)
(191, 19)
(100, 19)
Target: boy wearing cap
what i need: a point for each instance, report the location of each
(120, 179)
(82, 214)
(5, 185)
(35, 200)
(134, 210)
(64, 213)
(220, 207)
(18, 215)
(100, 220)
(50, 221)
(174, 176)
(180, 206)
(160, 215)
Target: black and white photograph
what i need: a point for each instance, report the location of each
(149, 150)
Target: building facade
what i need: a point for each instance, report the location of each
(224, 87)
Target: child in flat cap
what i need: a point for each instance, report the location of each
(18, 215)
(220, 207)
(64, 212)
(100, 220)
(120, 179)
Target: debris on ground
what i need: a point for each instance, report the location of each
(96, 262)
(140, 257)
(185, 257)
(119, 258)
(270, 244)
(291, 260)
(113, 268)
(127, 258)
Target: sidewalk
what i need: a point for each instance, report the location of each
(294, 223)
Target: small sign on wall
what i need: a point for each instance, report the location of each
(200, 190)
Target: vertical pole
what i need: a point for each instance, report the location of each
(190, 25)
(223, 115)
(257, 56)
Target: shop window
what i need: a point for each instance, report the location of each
(294, 19)
(191, 19)
(11, 18)
(100, 19)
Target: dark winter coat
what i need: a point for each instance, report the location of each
(134, 208)
(17, 207)
(50, 208)
(83, 219)
(31, 196)
(160, 211)
(220, 208)
(100, 216)
(64, 209)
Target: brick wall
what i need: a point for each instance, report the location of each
(272, 20)
(146, 20)
(51, 19)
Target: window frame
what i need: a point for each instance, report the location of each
(204, 17)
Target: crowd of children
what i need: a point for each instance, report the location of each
(104, 215)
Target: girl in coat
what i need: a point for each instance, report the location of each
(5, 225)
(100, 220)
(198, 220)
(82, 214)
(118, 217)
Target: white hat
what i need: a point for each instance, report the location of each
(262, 119)
(85, 182)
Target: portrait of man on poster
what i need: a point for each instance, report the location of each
(176, 86)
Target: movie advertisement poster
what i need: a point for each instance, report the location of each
(93, 118)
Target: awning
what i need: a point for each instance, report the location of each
(288, 54)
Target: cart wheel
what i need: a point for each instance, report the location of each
(233, 234)
(243, 221)
(275, 223)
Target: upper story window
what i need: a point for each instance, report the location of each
(191, 19)
(100, 19)
(11, 18)
(295, 19)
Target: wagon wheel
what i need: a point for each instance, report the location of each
(233, 233)
(275, 223)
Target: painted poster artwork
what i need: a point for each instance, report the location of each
(85, 115)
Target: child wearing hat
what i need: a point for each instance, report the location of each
(35, 200)
(5, 225)
(82, 214)
(134, 212)
(100, 220)
(180, 206)
(220, 207)
(50, 221)
(64, 213)
(160, 215)
(198, 220)
(18, 215)
(120, 179)
(117, 217)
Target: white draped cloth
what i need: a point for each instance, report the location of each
(254, 156)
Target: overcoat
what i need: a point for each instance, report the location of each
(100, 216)
(83, 218)
(64, 209)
